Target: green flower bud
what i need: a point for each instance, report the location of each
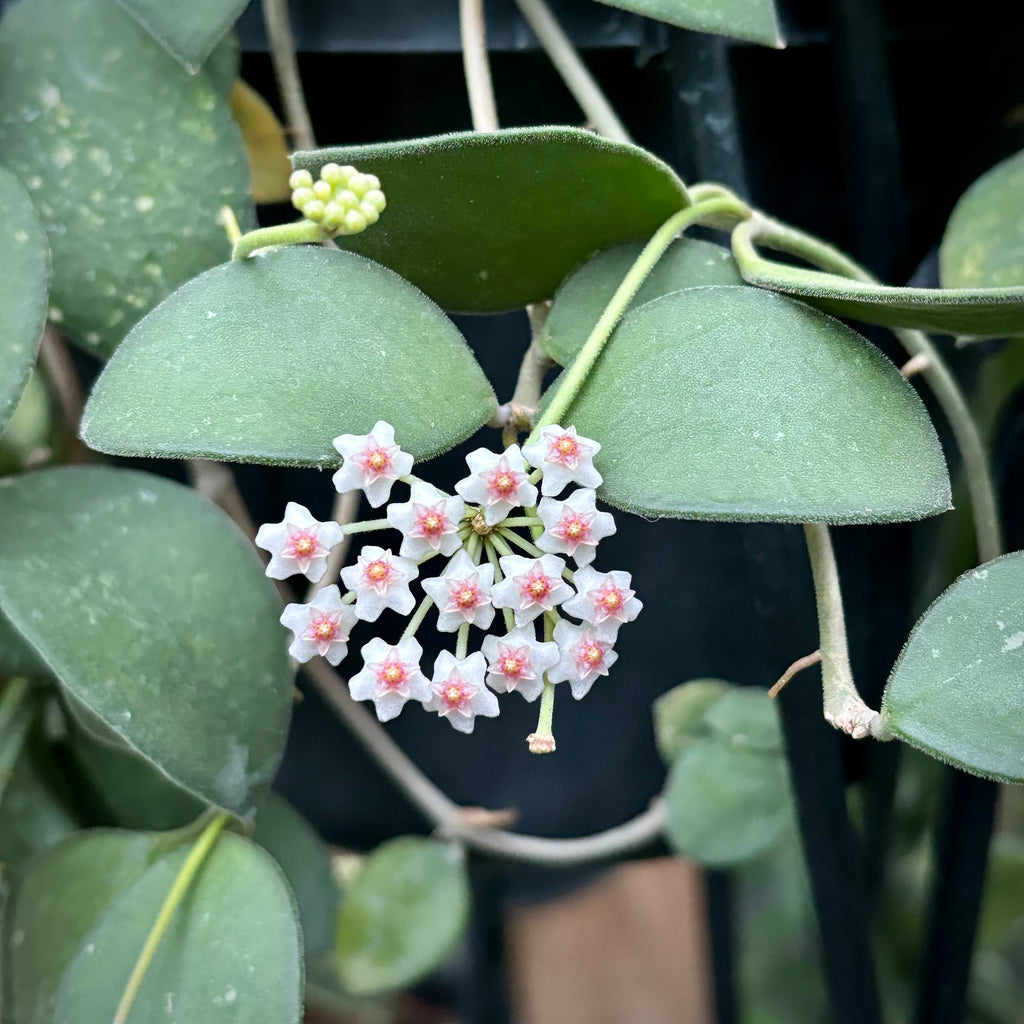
(334, 216)
(376, 198)
(370, 212)
(323, 191)
(314, 210)
(347, 199)
(302, 196)
(300, 179)
(355, 222)
(372, 181)
(359, 183)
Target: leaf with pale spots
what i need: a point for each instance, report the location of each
(957, 689)
(726, 804)
(737, 404)
(401, 915)
(152, 610)
(24, 277)
(232, 950)
(573, 193)
(267, 359)
(582, 297)
(187, 29)
(127, 158)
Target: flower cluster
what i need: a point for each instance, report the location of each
(506, 544)
(342, 201)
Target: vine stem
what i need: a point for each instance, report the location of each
(844, 707)
(624, 295)
(286, 69)
(181, 885)
(933, 368)
(476, 65)
(573, 71)
(454, 821)
(278, 234)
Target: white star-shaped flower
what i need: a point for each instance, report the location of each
(373, 462)
(531, 586)
(605, 601)
(518, 661)
(298, 544)
(320, 627)
(390, 676)
(380, 580)
(564, 458)
(458, 690)
(583, 657)
(574, 526)
(429, 522)
(462, 594)
(498, 481)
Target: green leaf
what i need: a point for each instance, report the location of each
(223, 65)
(306, 862)
(1001, 909)
(17, 656)
(187, 29)
(402, 915)
(726, 804)
(990, 312)
(983, 246)
(152, 610)
(232, 951)
(746, 717)
(55, 905)
(270, 358)
(584, 294)
(127, 158)
(738, 404)
(29, 437)
(24, 279)
(679, 714)
(955, 690)
(742, 19)
(484, 222)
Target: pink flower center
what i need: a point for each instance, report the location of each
(324, 628)
(431, 521)
(535, 587)
(392, 674)
(610, 599)
(574, 527)
(502, 482)
(303, 545)
(465, 595)
(589, 656)
(514, 663)
(379, 574)
(376, 459)
(455, 694)
(565, 450)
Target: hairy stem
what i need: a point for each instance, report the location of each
(279, 234)
(573, 71)
(286, 68)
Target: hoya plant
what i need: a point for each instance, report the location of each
(689, 357)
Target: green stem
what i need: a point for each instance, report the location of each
(935, 373)
(417, 619)
(366, 526)
(507, 535)
(542, 739)
(624, 295)
(521, 521)
(178, 891)
(280, 234)
(492, 557)
(462, 642)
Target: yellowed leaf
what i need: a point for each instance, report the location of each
(264, 144)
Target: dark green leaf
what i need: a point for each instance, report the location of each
(737, 404)
(1001, 910)
(29, 435)
(306, 862)
(127, 158)
(679, 714)
(956, 690)
(742, 19)
(24, 278)
(153, 611)
(983, 246)
(187, 29)
(726, 804)
(270, 358)
(583, 296)
(484, 222)
(232, 951)
(402, 915)
(223, 65)
(57, 903)
(982, 311)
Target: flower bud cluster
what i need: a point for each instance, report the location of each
(507, 546)
(342, 201)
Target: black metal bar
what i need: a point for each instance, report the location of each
(963, 839)
(719, 889)
(483, 996)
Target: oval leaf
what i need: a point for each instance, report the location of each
(737, 404)
(583, 296)
(187, 29)
(268, 359)
(232, 949)
(990, 312)
(679, 714)
(983, 246)
(24, 278)
(746, 717)
(402, 915)
(726, 804)
(152, 610)
(956, 690)
(126, 156)
(490, 221)
(742, 19)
